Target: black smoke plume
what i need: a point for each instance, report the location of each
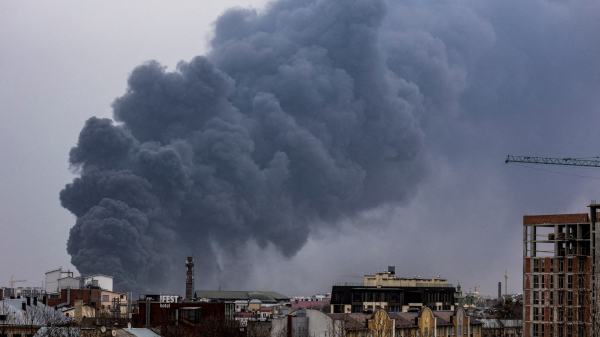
(294, 120)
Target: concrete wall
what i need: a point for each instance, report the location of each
(68, 282)
(104, 282)
(316, 323)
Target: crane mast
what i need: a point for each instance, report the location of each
(553, 161)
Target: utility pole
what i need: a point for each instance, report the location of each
(505, 283)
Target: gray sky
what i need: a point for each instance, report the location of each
(496, 78)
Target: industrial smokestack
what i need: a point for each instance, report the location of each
(499, 290)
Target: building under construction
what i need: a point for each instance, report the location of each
(559, 259)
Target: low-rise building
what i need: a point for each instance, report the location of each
(160, 310)
(25, 316)
(385, 290)
(425, 323)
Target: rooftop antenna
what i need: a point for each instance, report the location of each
(189, 278)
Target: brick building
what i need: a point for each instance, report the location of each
(558, 263)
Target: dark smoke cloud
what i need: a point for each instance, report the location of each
(295, 119)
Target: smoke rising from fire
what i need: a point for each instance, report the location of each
(296, 118)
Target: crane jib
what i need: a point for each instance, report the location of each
(553, 161)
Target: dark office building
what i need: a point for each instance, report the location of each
(386, 291)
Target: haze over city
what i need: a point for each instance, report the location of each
(297, 193)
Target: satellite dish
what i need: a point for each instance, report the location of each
(103, 329)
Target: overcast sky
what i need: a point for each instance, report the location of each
(493, 78)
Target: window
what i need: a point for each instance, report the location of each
(477, 329)
(543, 277)
(552, 265)
(543, 297)
(465, 330)
(561, 315)
(536, 281)
(570, 298)
(580, 299)
(581, 264)
(580, 330)
(580, 281)
(569, 281)
(569, 330)
(460, 329)
(105, 298)
(535, 330)
(561, 281)
(542, 330)
(551, 317)
(569, 314)
(121, 296)
(580, 314)
(536, 313)
(561, 298)
(536, 297)
(551, 281)
(357, 296)
(570, 264)
(561, 265)
(425, 332)
(551, 297)
(543, 269)
(536, 265)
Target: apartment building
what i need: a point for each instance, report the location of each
(559, 255)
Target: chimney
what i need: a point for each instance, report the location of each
(35, 301)
(499, 290)
(23, 306)
(28, 300)
(44, 300)
(78, 312)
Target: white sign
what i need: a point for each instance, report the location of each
(166, 300)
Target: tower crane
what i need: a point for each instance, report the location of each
(12, 285)
(505, 282)
(590, 162)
